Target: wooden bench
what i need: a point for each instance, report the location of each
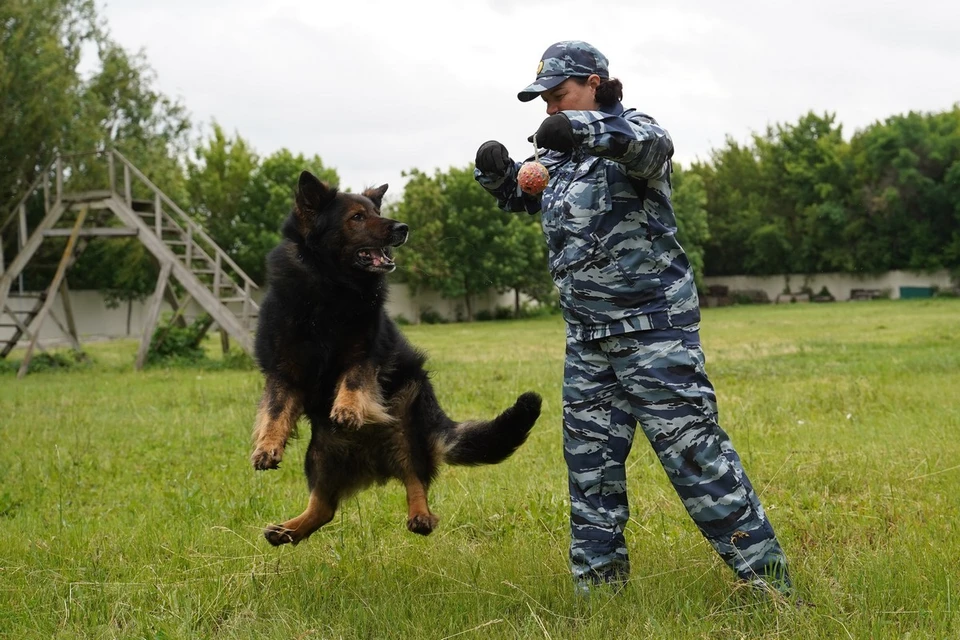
(865, 294)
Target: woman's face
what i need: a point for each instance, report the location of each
(570, 95)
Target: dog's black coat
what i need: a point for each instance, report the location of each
(328, 350)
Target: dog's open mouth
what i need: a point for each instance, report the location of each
(375, 259)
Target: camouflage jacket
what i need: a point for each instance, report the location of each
(610, 226)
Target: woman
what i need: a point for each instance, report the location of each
(631, 309)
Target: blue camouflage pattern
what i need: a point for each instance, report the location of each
(610, 226)
(563, 60)
(656, 378)
(633, 351)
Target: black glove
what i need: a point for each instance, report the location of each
(493, 158)
(555, 133)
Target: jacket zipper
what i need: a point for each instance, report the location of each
(611, 258)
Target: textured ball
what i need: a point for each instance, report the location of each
(533, 178)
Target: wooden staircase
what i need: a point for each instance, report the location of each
(185, 253)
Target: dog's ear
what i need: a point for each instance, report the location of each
(312, 195)
(376, 194)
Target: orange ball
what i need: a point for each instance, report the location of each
(533, 178)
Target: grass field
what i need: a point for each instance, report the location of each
(128, 508)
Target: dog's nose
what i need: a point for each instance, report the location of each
(400, 231)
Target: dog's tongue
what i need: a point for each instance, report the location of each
(378, 257)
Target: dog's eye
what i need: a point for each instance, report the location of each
(357, 217)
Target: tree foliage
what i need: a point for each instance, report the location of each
(802, 199)
(242, 200)
(796, 198)
(461, 244)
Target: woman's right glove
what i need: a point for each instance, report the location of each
(493, 158)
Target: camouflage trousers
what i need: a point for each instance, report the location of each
(655, 378)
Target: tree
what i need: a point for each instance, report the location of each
(461, 244)
(806, 184)
(267, 200)
(242, 201)
(735, 205)
(690, 207)
(905, 192)
(47, 108)
(120, 108)
(779, 204)
(40, 45)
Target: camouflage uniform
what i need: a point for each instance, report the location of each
(633, 351)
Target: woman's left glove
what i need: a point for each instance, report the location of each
(555, 133)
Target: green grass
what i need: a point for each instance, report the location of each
(128, 508)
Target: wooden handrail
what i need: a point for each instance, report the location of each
(30, 191)
(194, 227)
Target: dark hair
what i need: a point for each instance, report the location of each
(609, 92)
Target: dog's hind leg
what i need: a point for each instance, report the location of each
(319, 512)
(359, 400)
(419, 518)
(280, 408)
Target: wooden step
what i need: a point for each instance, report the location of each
(86, 196)
(95, 232)
(143, 207)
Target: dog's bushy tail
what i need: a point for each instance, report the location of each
(492, 441)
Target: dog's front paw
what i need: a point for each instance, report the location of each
(347, 415)
(423, 523)
(264, 457)
(277, 535)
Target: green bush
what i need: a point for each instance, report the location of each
(56, 361)
(171, 344)
(503, 313)
(429, 316)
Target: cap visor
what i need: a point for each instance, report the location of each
(538, 87)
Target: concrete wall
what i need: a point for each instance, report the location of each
(839, 284)
(402, 303)
(95, 321)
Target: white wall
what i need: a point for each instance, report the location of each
(95, 321)
(401, 302)
(839, 284)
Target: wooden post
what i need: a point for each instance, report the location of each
(57, 279)
(188, 260)
(53, 316)
(46, 191)
(153, 314)
(19, 262)
(158, 215)
(111, 172)
(59, 192)
(68, 312)
(224, 340)
(245, 313)
(127, 190)
(23, 225)
(171, 297)
(216, 277)
(24, 330)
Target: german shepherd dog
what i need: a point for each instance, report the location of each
(328, 350)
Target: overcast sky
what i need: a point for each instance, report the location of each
(376, 88)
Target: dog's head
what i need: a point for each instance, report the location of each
(346, 227)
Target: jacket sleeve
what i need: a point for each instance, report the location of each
(634, 140)
(507, 192)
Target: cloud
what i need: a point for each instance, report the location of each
(377, 87)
